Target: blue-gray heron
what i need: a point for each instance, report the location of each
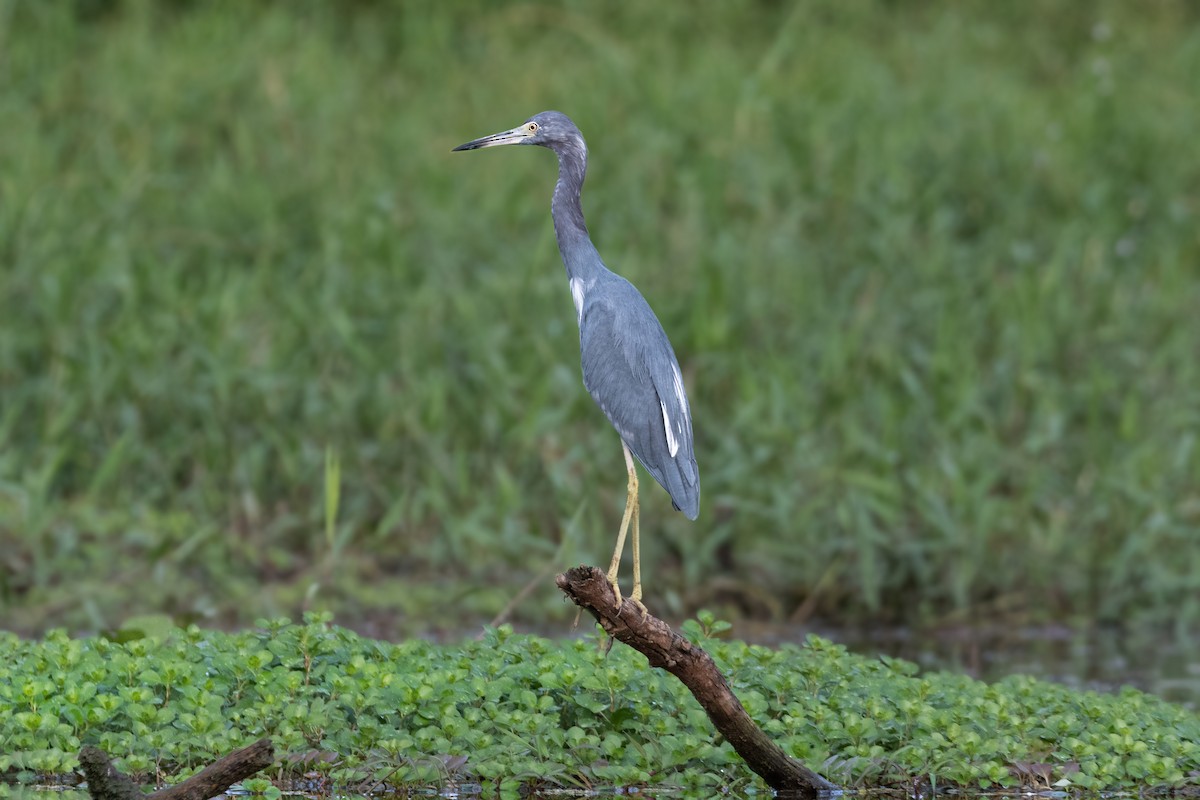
(629, 367)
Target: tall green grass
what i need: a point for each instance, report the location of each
(932, 273)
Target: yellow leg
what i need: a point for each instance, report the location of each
(631, 509)
(636, 594)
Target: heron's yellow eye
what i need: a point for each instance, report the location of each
(532, 127)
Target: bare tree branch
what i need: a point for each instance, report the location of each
(588, 588)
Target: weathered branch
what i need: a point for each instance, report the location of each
(105, 782)
(588, 587)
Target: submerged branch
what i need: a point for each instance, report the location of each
(106, 782)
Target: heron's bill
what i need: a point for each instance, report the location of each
(515, 136)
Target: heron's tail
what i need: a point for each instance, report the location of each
(681, 479)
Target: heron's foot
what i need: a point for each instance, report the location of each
(612, 581)
(635, 597)
(640, 607)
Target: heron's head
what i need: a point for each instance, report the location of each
(551, 129)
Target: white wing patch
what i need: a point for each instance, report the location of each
(577, 296)
(679, 393)
(672, 442)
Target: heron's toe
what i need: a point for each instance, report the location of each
(612, 581)
(640, 607)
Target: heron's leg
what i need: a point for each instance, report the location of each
(636, 594)
(631, 503)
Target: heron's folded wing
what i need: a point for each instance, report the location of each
(632, 373)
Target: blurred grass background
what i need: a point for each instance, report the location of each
(931, 271)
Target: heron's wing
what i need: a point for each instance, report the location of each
(631, 372)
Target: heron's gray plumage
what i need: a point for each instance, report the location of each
(628, 369)
(629, 366)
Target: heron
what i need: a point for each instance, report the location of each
(629, 366)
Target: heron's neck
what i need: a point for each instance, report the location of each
(578, 253)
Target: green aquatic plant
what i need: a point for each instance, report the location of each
(509, 710)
